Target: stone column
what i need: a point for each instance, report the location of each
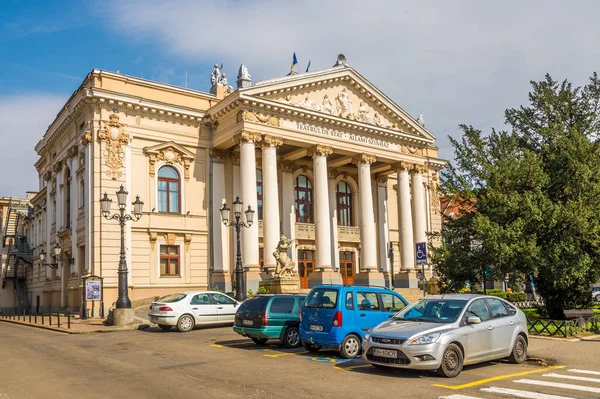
(236, 189)
(418, 206)
(220, 275)
(288, 205)
(323, 270)
(407, 277)
(74, 153)
(383, 227)
(59, 216)
(369, 273)
(335, 252)
(271, 232)
(250, 258)
(49, 210)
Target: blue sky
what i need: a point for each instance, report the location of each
(455, 61)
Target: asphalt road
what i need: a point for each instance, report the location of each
(217, 363)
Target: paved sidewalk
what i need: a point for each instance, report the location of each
(77, 325)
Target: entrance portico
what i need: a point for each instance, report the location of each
(335, 157)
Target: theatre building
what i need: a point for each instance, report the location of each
(324, 158)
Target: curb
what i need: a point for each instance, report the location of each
(66, 331)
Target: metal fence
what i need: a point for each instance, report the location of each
(41, 317)
(563, 328)
(529, 304)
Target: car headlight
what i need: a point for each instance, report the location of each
(367, 336)
(424, 339)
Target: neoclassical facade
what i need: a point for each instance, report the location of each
(324, 158)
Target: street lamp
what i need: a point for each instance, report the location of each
(390, 255)
(57, 251)
(237, 224)
(123, 301)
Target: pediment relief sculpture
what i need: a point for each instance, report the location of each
(342, 103)
(170, 153)
(252, 116)
(114, 137)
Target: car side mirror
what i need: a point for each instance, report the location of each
(473, 320)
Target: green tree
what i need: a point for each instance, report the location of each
(537, 195)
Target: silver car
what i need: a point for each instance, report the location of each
(445, 332)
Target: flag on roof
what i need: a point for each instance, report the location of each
(294, 63)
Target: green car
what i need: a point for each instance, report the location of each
(265, 317)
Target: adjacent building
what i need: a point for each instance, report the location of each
(324, 158)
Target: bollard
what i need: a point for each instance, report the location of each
(30, 316)
(50, 317)
(68, 320)
(35, 318)
(58, 317)
(42, 317)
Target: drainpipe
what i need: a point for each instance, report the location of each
(211, 221)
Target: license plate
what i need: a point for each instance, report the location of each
(247, 322)
(316, 328)
(392, 354)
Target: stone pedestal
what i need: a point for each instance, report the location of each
(281, 285)
(324, 277)
(222, 280)
(407, 279)
(370, 277)
(123, 317)
(387, 276)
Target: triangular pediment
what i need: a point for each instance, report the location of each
(169, 147)
(339, 93)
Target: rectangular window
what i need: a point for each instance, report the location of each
(169, 260)
(81, 193)
(282, 305)
(53, 211)
(391, 303)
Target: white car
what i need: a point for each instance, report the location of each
(188, 309)
(596, 293)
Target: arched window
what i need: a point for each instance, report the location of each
(304, 200)
(168, 190)
(344, 204)
(259, 193)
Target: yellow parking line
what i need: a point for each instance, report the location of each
(352, 367)
(500, 377)
(279, 354)
(217, 345)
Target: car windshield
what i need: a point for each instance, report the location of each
(172, 298)
(322, 298)
(432, 310)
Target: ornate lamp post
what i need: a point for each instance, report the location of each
(237, 224)
(123, 301)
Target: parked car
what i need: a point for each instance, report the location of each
(596, 293)
(265, 317)
(445, 332)
(338, 316)
(188, 309)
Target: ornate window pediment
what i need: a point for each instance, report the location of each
(170, 153)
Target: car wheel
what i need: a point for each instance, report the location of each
(164, 327)
(259, 341)
(452, 362)
(291, 337)
(185, 323)
(519, 352)
(311, 347)
(350, 346)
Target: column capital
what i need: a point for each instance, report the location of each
(382, 179)
(364, 158)
(402, 166)
(320, 150)
(246, 136)
(217, 155)
(271, 141)
(286, 166)
(73, 152)
(420, 169)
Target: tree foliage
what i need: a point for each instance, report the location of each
(536, 190)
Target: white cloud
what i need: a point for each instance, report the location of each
(23, 121)
(454, 61)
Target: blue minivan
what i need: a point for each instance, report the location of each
(338, 316)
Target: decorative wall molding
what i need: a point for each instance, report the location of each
(412, 150)
(170, 238)
(170, 153)
(114, 138)
(187, 240)
(153, 237)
